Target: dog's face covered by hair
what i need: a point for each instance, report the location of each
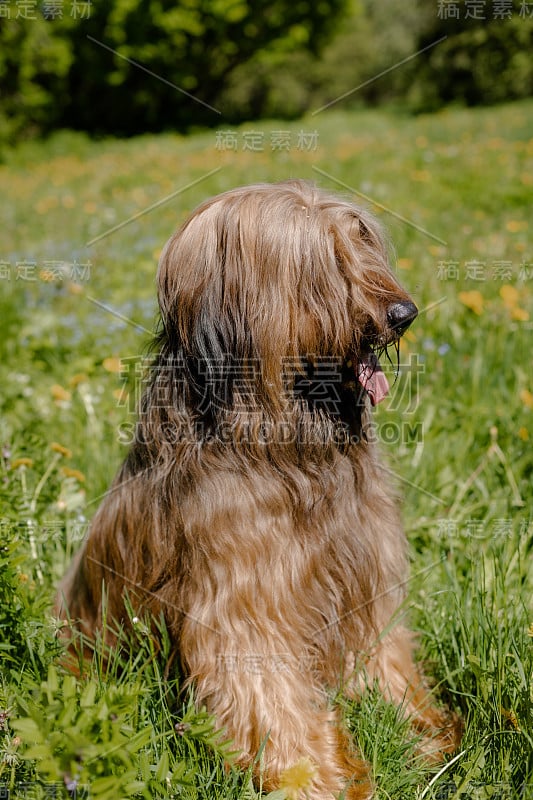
(278, 291)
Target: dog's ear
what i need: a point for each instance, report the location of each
(226, 302)
(363, 232)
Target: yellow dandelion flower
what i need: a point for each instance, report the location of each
(520, 314)
(75, 288)
(112, 364)
(59, 394)
(511, 717)
(22, 462)
(405, 263)
(58, 448)
(80, 377)
(516, 225)
(73, 473)
(526, 397)
(46, 275)
(421, 175)
(510, 295)
(121, 395)
(472, 300)
(298, 778)
(23, 578)
(45, 204)
(523, 434)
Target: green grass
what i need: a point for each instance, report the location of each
(457, 433)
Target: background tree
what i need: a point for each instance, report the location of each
(481, 62)
(78, 73)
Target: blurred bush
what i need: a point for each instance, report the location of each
(226, 61)
(476, 62)
(78, 73)
(35, 60)
(482, 61)
(372, 38)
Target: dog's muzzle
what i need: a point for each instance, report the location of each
(368, 372)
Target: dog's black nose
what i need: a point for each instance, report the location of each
(400, 315)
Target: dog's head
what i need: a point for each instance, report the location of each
(277, 288)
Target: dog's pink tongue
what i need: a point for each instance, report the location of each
(372, 379)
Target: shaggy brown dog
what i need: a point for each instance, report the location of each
(252, 510)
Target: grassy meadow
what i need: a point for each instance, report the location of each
(83, 225)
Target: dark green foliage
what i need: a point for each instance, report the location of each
(26, 638)
(77, 73)
(34, 63)
(480, 62)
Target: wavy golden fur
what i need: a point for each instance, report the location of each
(252, 510)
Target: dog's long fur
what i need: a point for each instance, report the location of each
(252, 510)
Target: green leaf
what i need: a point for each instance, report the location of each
(88, 695)
(52, 683)
(162, 768)
(28, 730)
(101, 787)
